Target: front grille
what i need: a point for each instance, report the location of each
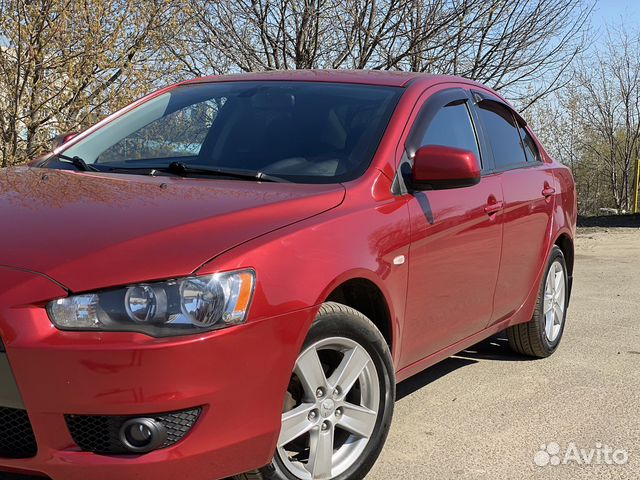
(100, 433)
(16, 435)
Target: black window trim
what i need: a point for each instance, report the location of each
(484, 97)
(427, 113)
(427, 110)
(538, 160)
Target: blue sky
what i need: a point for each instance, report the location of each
(616, 11)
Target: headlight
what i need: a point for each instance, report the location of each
(175, 307)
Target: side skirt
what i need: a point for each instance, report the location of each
(447, 352)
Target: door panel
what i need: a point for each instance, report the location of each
(456, 234)
(527, 185)
(527, 222)
(453, 266)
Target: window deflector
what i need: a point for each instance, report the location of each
(487, 100)
(428, 110)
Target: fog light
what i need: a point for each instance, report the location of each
(142, 435)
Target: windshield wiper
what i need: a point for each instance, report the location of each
(180, 168)
(76, 161)
(183, 170)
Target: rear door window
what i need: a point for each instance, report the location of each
(500, 126)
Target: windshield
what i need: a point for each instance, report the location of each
(300, 131)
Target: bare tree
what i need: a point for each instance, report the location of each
(521, 47)
(250, 35)
(610, 113)
(65, 63)
(593, 123)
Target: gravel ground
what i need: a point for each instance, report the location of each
(486, 414)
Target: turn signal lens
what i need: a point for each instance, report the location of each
(240, 291)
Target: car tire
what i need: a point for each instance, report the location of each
(338, 327)
(541, 336)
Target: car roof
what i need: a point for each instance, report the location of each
(365, 77)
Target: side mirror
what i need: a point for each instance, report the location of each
(436, 167)
(62, 139)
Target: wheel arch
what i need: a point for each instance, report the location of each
(363, 292)
(565, 243)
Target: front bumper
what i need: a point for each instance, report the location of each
(238, 376)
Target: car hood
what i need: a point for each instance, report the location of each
(94, 230)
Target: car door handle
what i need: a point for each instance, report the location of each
(548, 191)
(494, 208)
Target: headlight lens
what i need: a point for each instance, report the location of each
(175, 307)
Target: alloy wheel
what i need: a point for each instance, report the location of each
(554, 301)
(333, 408)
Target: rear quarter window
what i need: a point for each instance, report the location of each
(530, 148)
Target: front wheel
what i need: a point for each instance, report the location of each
(339, 403)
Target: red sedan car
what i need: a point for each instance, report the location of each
(228, 277)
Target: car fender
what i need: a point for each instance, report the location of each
(298, 266)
